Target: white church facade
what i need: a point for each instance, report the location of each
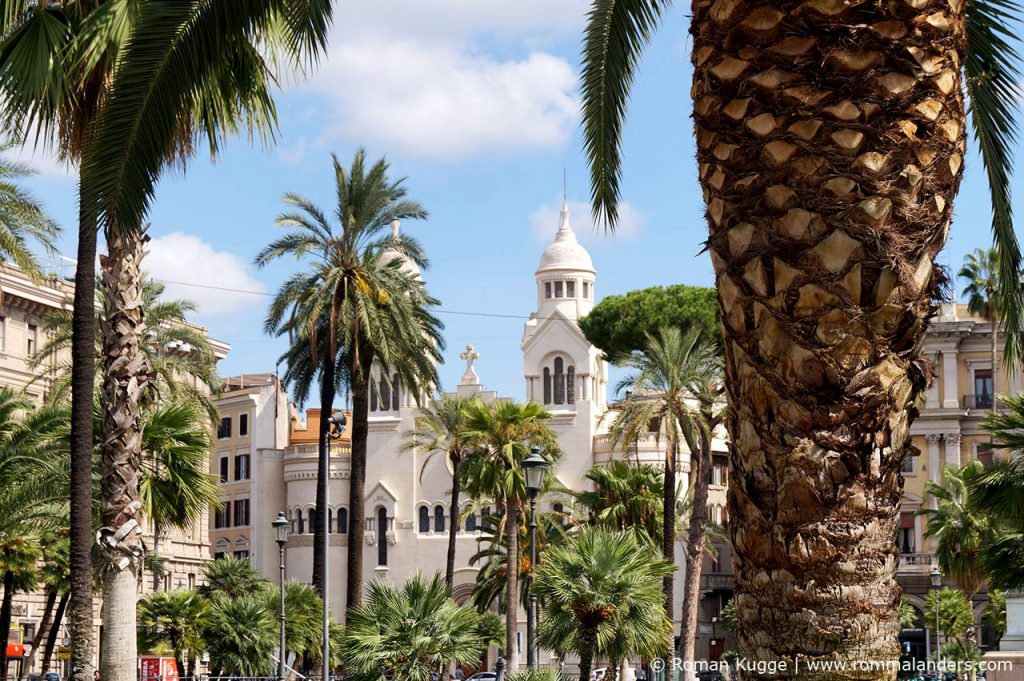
(407, 496)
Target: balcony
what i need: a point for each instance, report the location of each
(977, 401)
(916, 562)
(716, 582)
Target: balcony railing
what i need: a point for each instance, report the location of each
(916, 561)
(977, 401)
(716, 582)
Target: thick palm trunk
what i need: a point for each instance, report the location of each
(512, 588)
(357, 485)
(696, 539)
(589, 643)
(126, 378)
(320, 535)
(51, 640)
(830, 140)
(668, 538)
(43, 627)
(83, 377)
(453, 527)
(5, 620)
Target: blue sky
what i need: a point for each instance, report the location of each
(476, 103)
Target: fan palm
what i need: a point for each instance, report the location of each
(408, 633)
(981, 271)
(371, 305)
(174, 618)
(503, 433)
(626, 497)
(675, 382)
(231, 578)
(441, 427)
(602, 592)
(303, 620)
(830, 144)
(240, 635)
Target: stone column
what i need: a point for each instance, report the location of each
(1014, 637)
(932, 396)
(952, 449)
(933, 456)
(950, 380)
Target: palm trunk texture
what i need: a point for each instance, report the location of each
(668, 539)
(43, 628)
(320, 534)
(453, 528)
(512, 588)
(126, 378)
(357, 490)
(695, 541)
(5, 620)
(830, 138)
(83, 377)
(51, 640)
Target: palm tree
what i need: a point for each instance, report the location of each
(959, 530)
(410, 632)
(830, 144)
(981, 270)
(240, 635)
(603, 595)
(675, 382)
(54, 574)
(503, 432)
(998, 492)
(175, 618)
(362, 293)
(230, 579)
(303, 620)
(22, 220)
(626, 497)
(441, 427)
(18, 557)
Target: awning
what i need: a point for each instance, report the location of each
(15, 650)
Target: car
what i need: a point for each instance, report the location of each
(600, 673)
(51, 676)
(483, 676)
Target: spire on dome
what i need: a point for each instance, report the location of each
(396, 228)
(564, 228)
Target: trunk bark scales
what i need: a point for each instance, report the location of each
(512, 589)
(320, 534)
(695, 541)
(830, 137)
(668, 539)
(126, 381)
(51, 640)
(42, 630)
(5, 620)
(453, 529)
(357, 486)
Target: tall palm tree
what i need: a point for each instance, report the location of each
(410, 632)
(18, 558)
(22, 220)
(981, 271)
(626, 497)
(441, 427)
(371, 305)
(830, 144)
(504, 432)
(998, 492)
(175, 618)
(54, 574)
(603, 595)
(675, 382)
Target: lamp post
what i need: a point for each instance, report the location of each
(937, 584)
(335, 428)
(280, 526)
(535, 467)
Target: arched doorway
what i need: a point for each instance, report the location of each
(915, 640)
(463, 595)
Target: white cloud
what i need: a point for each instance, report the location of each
(180, 257)
(44, 162)
(544, 223)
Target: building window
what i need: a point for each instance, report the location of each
(312, 521)
(485, 518)
(559, 512)
(586, 289)
(439, 519)
(302, 521)
(547, 289)
(908, 465)
(558, 289)
(905, 538)
(471, 522)
(373, 399)
(241, 512)
(243, 424)
(293, 524)
(224, 468)
(396, 388)
(225, 428)
(570, 385)
(191, 580)
(424, 519)
(3, 333)
(547, 385)
(570, 289)
(382, 537)
(720, 471)
(982, 388)
(31, 344)
(243, 555)
(241, 466)
(222, 516)
(559, 381)
(341, 521)
(385, 394)
(218, 555)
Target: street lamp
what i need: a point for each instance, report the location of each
(280, 525)
(937, 584)
(535, 467)
(335, 429)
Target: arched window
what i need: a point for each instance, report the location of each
(312, 520)
(471, 522)
(424, 519)
(373, 399)
(559, 381)
(547, 385)
(341, 521)
(291, 519)
(485, 518)
(382, 536)
(385, 394)
(570, 386)
(439, 518)
(559, 512)
(302, 521)
(330, 519)
(396, 385)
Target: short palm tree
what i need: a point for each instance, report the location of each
(54, 575)
(998, 492)
(981, 272)
(624, 497)
(441, 428)
(175, 618)
(372, 308)
(675, 383)
(831, 138)
(303, 620)
(504, 431)
(960, 532)
(231, 578)
(18, 558)
(240, 634)
(410, 632)
(602, 592)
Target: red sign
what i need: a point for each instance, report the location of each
(15, 650)
(158, 669)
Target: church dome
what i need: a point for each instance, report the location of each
(565, 252)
